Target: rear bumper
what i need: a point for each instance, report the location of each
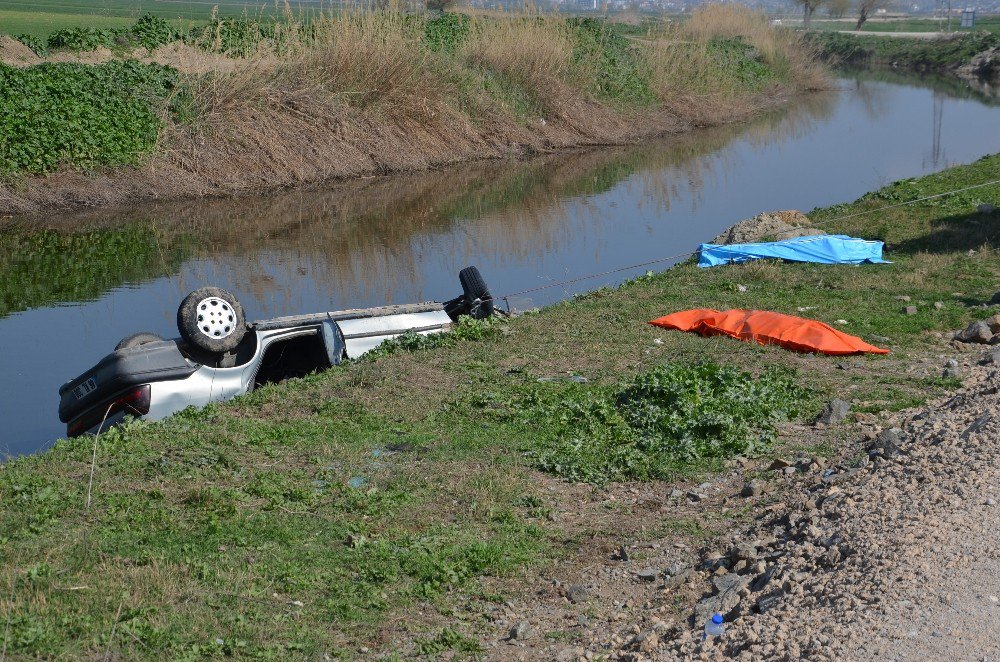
(134, 401)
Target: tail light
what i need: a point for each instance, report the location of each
(134, 401)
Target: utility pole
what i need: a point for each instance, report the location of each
(949, 15)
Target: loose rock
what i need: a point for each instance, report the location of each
(519, 631)
(977, 332)
(834, 412)
(648, 574)
(577, 593)
(727, 590)
(753, 488)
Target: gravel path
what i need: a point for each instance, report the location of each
(897, 559)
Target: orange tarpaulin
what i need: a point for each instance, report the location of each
(767, 328)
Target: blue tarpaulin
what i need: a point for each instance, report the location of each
(825, 249)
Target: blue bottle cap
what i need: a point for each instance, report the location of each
(717, 619)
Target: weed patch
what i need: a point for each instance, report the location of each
(36, 45)
(148, 31)
(446, 32)
(78, 115)
(447, 640)
(665, 418)
(614, 66)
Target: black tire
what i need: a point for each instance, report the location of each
(478, 300)
(211, 319)
(137, 339)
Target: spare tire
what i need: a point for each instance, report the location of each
(211, 319)
(137, 339)
(477, 295)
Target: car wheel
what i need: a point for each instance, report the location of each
(477, 295)
(212, 320)
(137, 339)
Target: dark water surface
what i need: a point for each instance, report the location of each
(71, 289)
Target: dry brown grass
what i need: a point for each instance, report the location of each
(780, 48)
(687, 75)
(361, 93)
(536, 52)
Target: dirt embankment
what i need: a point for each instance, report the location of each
(375, 97)
(284, 142)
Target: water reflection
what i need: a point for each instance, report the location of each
(362, 239)
(71, 289)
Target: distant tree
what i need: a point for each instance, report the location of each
(866, 8)
(809, 8)
(838, 8)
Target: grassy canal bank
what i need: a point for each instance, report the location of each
(968, 55)
(94, 117)
(411, 503)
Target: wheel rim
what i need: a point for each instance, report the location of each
(216, 318)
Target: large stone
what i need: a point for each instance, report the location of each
(646, 641)
(977, 332)
(726, 597)
(519, 630)
(768, 602)
(977, 425)
(834, 412)
(753, 488)
(775, 225)
(994, 323)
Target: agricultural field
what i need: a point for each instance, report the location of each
(43, 17)
(989, 23)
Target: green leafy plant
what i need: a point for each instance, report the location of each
(238, 37)
(447, 640)
(618, 72)
(446, 32)
(86, 39)
(152, 31)
(80, 115)
(663, 419)
(36, 45)
(739, 59)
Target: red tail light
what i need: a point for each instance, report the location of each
(134, 401)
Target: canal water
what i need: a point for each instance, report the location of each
(70, 288)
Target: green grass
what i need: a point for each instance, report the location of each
(42, 17)
(987, 23)
(41, 24)
(235, 530)
(916, 54)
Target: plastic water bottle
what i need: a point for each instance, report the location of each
(715, 627)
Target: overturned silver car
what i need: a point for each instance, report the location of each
(220, 356)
